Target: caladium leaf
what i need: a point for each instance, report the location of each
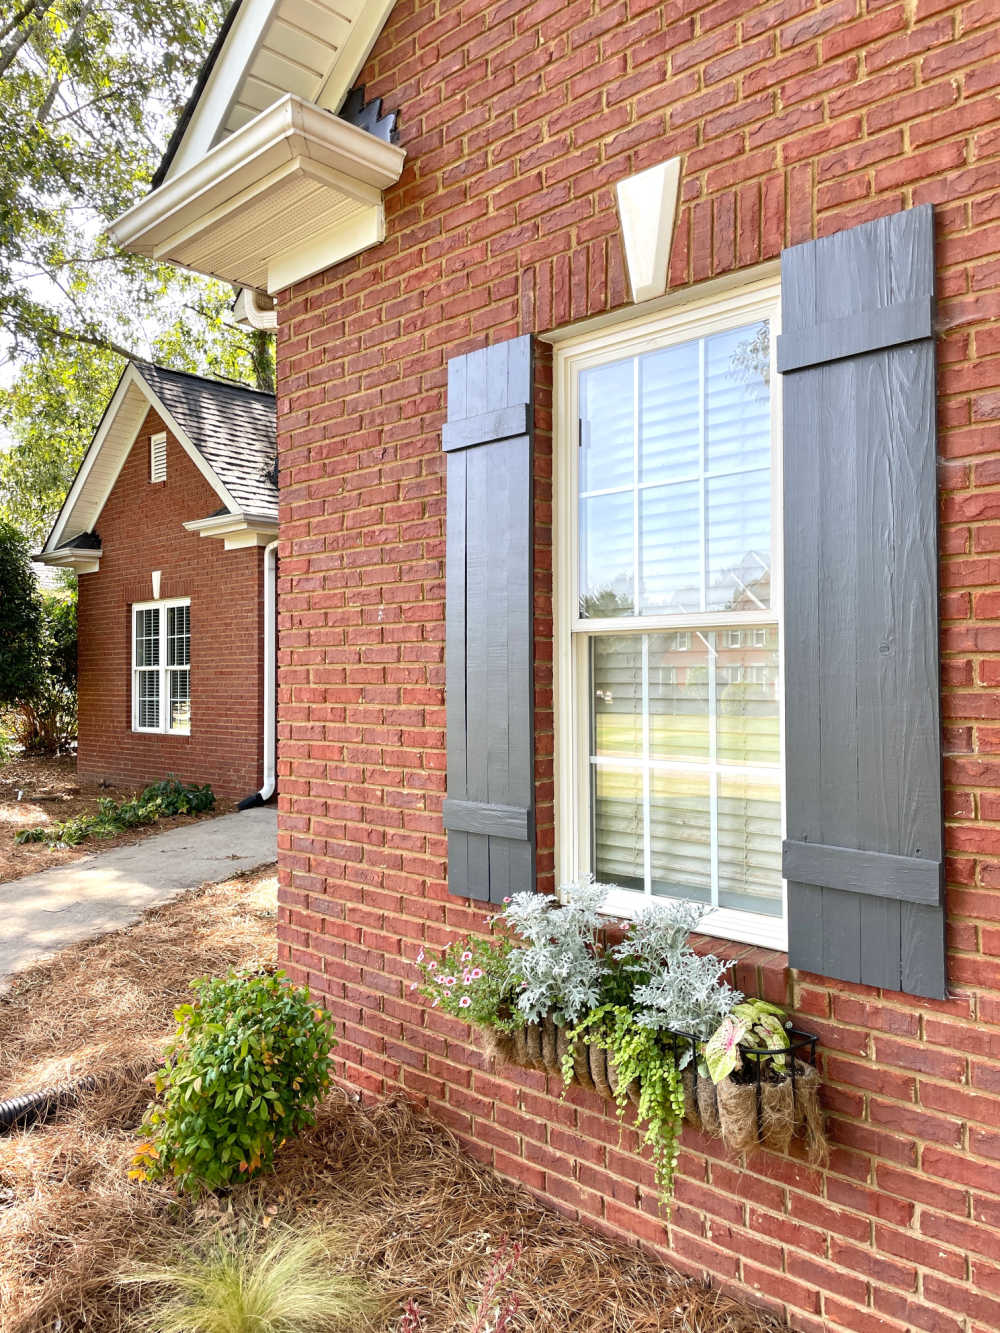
(769, 1032)
(722, 1050)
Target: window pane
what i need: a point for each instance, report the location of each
(680, 832)
(180, 700)
(607, 448)
(616, 691)
(148, 698)
(669, 414)
(746, 684)
(618, 832)
(147, 637)
(178, 635)
(606, 555)
(670, 549)
(739, 541)
(750, 845)
(678, 696)
(738, 399)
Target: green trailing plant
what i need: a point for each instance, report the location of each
(159, 801)
(274, 1280)
(248, 1063)
(640, 1054)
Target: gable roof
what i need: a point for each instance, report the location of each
(231, 426)
(314, 49)
(227, 430)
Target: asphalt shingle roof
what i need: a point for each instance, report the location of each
(232, 427)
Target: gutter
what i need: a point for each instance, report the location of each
(270, 692)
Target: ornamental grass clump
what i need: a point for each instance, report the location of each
(249, 1061)
(275, 1280)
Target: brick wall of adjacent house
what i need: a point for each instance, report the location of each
(793, 119)
(141, 529)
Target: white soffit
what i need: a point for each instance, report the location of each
(314, 49)
(647, 205)
(293, 191)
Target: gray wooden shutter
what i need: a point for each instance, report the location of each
(489, 810)
(864, 849)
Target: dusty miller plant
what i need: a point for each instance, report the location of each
(691, 995)
(559, 969)
(657, 936)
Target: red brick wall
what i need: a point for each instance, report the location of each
(141, 530)
(793, 118)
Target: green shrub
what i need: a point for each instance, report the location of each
(159, 801)
(248, 1062)
(274, 1281)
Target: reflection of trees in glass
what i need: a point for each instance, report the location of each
(606, 601)
(750, 361)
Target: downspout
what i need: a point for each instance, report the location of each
(270, 702)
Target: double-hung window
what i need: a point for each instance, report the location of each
(161, 666)
(668, 597)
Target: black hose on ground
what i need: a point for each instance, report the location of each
(31, 1107)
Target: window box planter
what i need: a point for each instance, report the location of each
(776, 1099)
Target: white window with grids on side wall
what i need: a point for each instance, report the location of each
(161, 666)
(670, 765)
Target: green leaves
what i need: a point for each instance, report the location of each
(159, 801)
(249, 1061)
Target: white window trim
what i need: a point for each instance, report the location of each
(164, 671)
(755, 299)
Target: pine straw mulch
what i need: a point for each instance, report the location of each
(417, 1216)
(37, 791)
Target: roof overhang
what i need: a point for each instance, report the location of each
(104, 459)
(236, 530)
(293, 191)
(312, 48)
(82, 561)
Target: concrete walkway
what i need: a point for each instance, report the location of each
(42, 913)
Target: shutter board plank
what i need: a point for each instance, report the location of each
(873, 782)
(455, 518)
(801, 629)
(904, 878)
(869, 331)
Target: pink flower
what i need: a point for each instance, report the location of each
(466, 956)
(448, 981)
(466, 977)
(420, 956)
(506, 900)
(432, 965)
(476, 973)
(464, 1002)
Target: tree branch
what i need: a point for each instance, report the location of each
(9, 53)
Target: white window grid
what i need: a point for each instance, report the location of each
(161, 666)
(700, 319)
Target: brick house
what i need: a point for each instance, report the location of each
(616, 379)
(171, 625)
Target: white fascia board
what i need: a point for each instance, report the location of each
(249, 313)
(223, 84)
(290, 129)
(351, 58)
(130, 379)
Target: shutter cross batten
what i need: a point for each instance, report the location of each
(489, 647)
(864, 850)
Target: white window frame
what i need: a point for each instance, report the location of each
(699, 318)
(162, 668)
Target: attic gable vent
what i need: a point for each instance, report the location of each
(158, 457)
